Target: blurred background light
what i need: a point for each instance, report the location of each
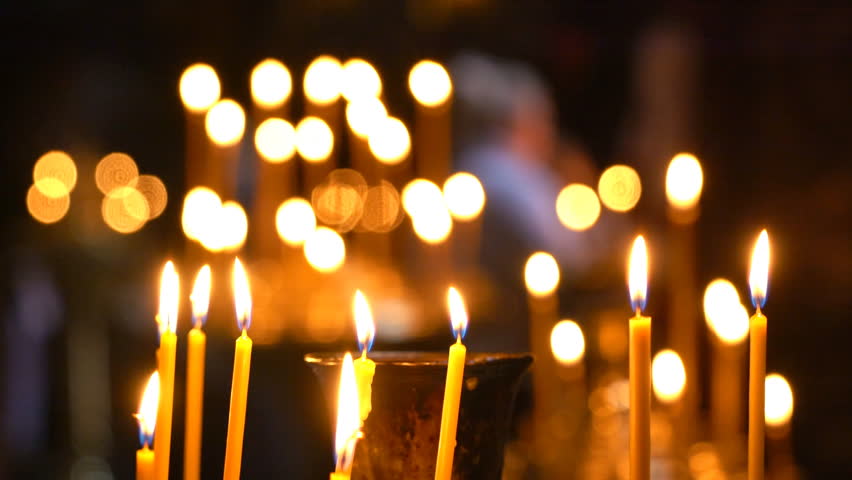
(668, 376)
(464, 196)
(567, 342)
(359, 80)
(430, 83)
(382, 208)
(577, 207)
(295, 221)
(225, 123)
(125, 210)
(323, 79)
(275, 140)
(434, 224)
(46, 209)
(200, 209)
(325, 250)
(541, 274)
(778, 408)
(314, 139)
(154, 191)
(199, 87)
(619, 188)
(389, 140)
(116, 170)
(364, 114)
(419, 194)
(55, 174)
(684, 181)
(271, 83)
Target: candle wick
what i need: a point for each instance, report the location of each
(458, 337)
(758, 308)
(364, 353)
(638, 312)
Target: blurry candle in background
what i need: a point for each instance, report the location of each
(365, 368)
(465, 199)
(147, 419)
(778, 414)
(225, 124)
(348, 430)
(322, 85)
(432, 89)
(684, 183)
(240, 380)
(640, 364)
(757, 279)
(295, 221)
(197, 345)
(453, 387)
(315, 145)
(359, 79)
(199, 89)
(668, 376)
(271, 85)
(568, 347)
(167, 323)
(325, 250)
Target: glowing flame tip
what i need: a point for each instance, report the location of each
(147, 414)
(169, 295)
(759, 272)
(200, 296)
(458, 313)
(365, 327)
(242, 295)
(638, 274)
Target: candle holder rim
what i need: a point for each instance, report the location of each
(421, 358)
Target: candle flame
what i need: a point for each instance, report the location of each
(638, 274)
(169, 294)
(759, 273)
(458, 313)
(242, 295)
(147, 414)
(365, 327)
(348, 416)
(778, 408)
(200, 296)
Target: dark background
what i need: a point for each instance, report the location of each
(772, 127)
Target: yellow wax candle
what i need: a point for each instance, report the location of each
(240, 381)
(167, 320)
(348, 429)
(197, 345)
(147, 418)
(758, 277)
(453, 388)
(364, 367)
(640, 365)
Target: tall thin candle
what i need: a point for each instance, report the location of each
(364, 367)
(758, 277)
(167, 321)
(147, 418)
(640, 365)
(348, 429)
(239, 384)
(197, 345)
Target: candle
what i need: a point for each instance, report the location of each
(239, 384)
(147, 418)
(348, 430)
(195, 375)
(167, 322)
(364, 367)
(432, 88)
(640, 365)
(757, 280)
(452, 391)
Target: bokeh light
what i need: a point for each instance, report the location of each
(578, 207)
(338, 204)
(567, 342)
(724, 313)
(430, 83)
(325, 250)
(778, 407)
(360, 80)
(363, 114)
(154, 191)
(389, 140)
(199, 87)
(295, 221)
(619, 188)
(323, 80)
(226, 229)
(420, 194)
(314, 139)
(668, 376)
(271, 83)
(201, 207)
(275, 140)
(684, 180)
(433, 225)
(464, 196)
(541, 274)
(46, 209)
(55, 174)
(125, 210)
(382, 210)
(225, 123)
(116, 170)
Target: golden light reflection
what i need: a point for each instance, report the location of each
(389, 141)
(458, 313)
(154, 192)
(363, 114)
(365, 327)
(167, 312)
(226, 229)
(242, 295)
(116, 170)
(325, 250)
(567, 342)
(338, 204)
(382, 211)
(45, 209)
(275, 140)
(199, 87)
(146, 416)
(619, 188)
(295, 221)
(778, 408)
(430, 83)
(684, 180)
(758, 275)
(434, 224)
(464, 196)
(200, 296)
(419, 195)
(578, 207)
(323, 80)
(360, 80)
(55, 174)
(637, 274)
(541, 274)
(271, 83)
(668, 376)
(125, 210)
(200, 209)
(725, 315)
(314, 139)
(225, 123)
(348, 429)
